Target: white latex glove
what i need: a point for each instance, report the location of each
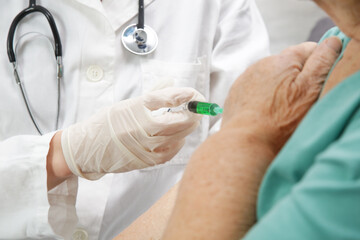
(127, 136)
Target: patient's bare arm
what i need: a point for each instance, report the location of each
(218, 193)
(208, 206)
(152, 223)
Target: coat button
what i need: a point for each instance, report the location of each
(94, 73)
(80, 234)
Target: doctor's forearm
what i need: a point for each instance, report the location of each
(57, 169)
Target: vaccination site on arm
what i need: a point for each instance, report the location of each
(154, 119)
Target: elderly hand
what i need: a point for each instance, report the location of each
(127, 136)
(273, 95)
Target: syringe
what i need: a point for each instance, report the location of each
(204, 108)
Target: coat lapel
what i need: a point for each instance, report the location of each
(118, 12)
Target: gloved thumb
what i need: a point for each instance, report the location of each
(170, 123)
(171, 97)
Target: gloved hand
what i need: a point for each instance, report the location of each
(127, 136)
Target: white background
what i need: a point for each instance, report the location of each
(289, 21)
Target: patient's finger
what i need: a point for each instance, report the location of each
(320, 62)
(301, 52)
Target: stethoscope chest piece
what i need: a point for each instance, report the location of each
(140, 41)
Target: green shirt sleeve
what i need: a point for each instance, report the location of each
(325, 204)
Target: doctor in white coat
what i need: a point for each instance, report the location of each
(203, 44)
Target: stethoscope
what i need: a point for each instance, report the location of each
(136, 38)
(139, 38)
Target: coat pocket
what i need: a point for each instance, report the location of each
(161, 74)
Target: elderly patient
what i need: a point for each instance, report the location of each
(250, 180)
(238, 184)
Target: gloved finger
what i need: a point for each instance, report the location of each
(172, 123)
(180, 117)
(151, 143)
(320, 62)
(140, 141)
(160, 154)
(181, 130)
(172, 135)
(171, 97)
(169, 123)
(166, 152)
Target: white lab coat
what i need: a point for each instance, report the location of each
(203, 44)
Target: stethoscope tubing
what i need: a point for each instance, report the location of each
(142, 44)
(57, 50)
(141, 15)
(19, 17)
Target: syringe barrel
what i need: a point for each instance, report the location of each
(202, 108)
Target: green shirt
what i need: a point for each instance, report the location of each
(312, 188)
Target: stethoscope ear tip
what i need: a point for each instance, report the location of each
(139, 41)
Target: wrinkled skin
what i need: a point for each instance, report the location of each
(263, 107)
(345, 14)
(348, 65)
(292, 83)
